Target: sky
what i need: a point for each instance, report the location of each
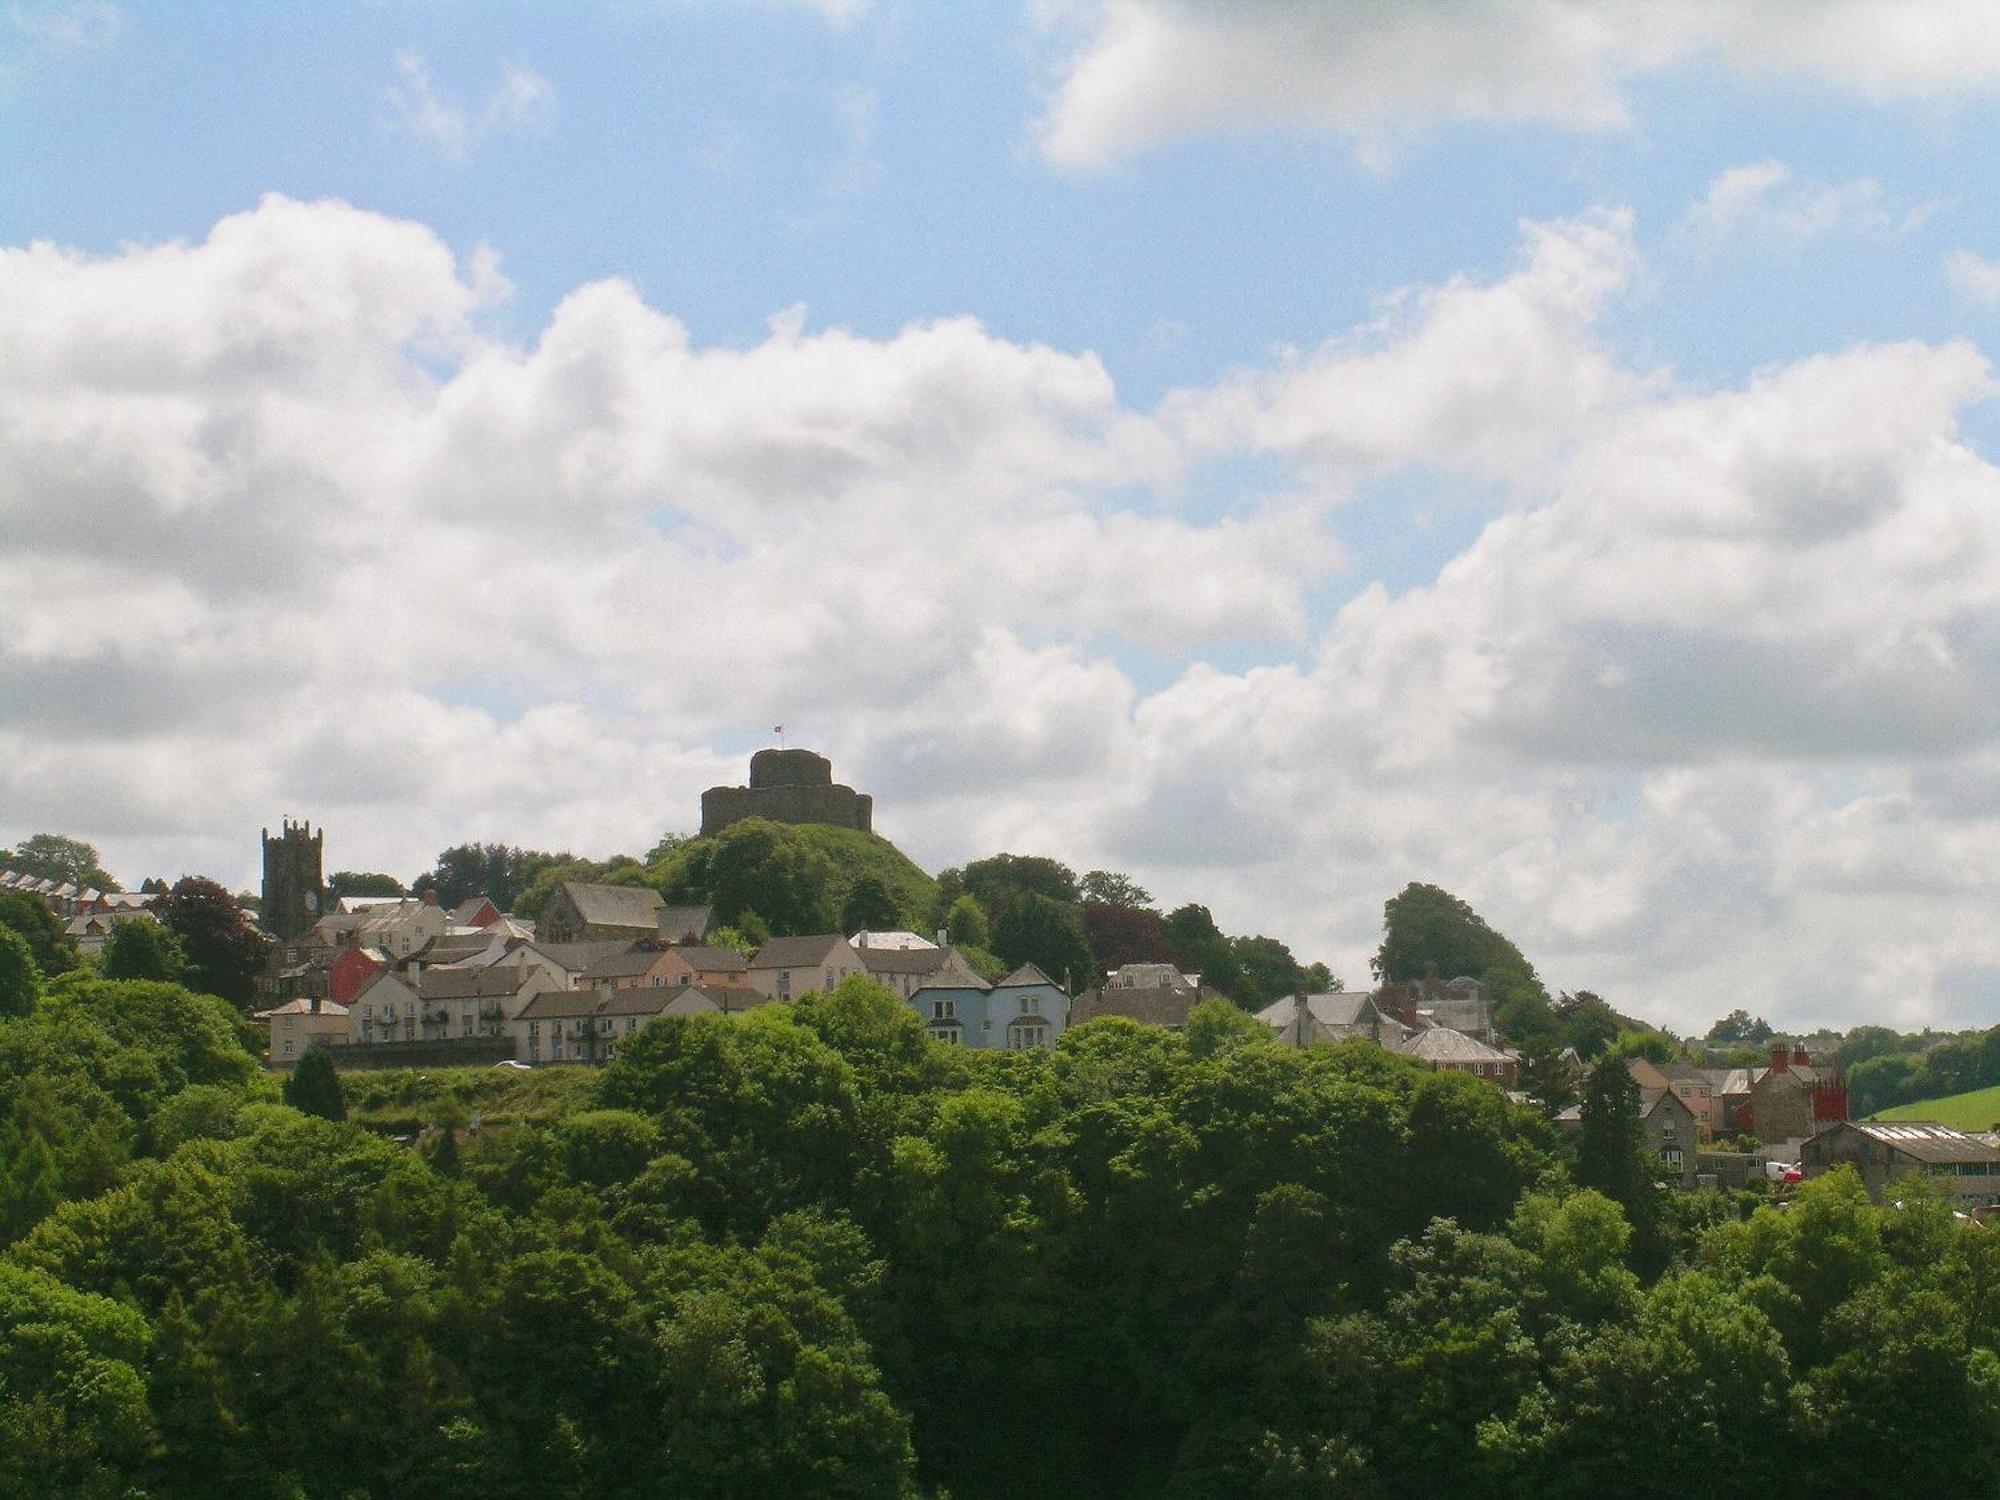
(1278, 450)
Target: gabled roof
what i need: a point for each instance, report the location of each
(624, 965)
(1926, 1140)
(635, 906)
(574, 958)
(713, 960)
(1025, 977)
(676, 923)
(797, 952)
(1441, 1044)
(896, 939)
(565, 1005)
(302, 1008)
(902, 960)
(1156, 1005)
(470, 984)
(1341, 1008)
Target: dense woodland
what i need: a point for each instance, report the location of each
(808, 1251)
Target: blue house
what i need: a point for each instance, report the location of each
(1026, 1009)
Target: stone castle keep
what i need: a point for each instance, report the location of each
(788, 786)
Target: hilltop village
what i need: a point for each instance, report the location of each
(398, 979)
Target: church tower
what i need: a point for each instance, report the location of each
(294, 889)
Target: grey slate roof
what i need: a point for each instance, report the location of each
(634, 906)
(713, 960)
(1024, 977)
(576, 957)
(622, 965)
(1928, 1141)
(469, 984)
(1156, 1005)
(676, 923)
(797, 952)
(1441, 1044)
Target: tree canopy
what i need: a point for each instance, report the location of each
(52, 856)
(223, 951)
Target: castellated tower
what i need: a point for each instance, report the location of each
(294, 888)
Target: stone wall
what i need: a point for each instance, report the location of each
(788, 786)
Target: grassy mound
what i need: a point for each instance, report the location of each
(1977, 1110)
(848, 856)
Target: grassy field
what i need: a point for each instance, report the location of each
(401, 1099)
(1978, 1110)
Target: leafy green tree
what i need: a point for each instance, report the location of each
(224, 952)
(50, 856)
(1611, 1152)
(73, 1414)
(1547, 1076)
(1201, 948)
(996, 881)
(20, 980)
(869, 907)
(1424, 925)
(28, 915)
(1585, 1022)
(1865, 1042)
(139, 949)
(1738, 1028)
(1269, 970)
(1109, 888)
(765, 867)
(363, 883)
(965, 920)
(1037, 930)
(499, 872)
(314, 1086)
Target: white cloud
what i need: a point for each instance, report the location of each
(521, 103)
(1134, 74)
(1765, 201)
(56, 30)
(858, 170)
(1705, 718)
(1488, 378)
(1974, 278)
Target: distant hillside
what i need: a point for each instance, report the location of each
(1977, 1110)
(782, 867)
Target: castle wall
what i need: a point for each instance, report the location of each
(831, 805)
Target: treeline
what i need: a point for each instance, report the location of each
(1884, 1068)
(808, 1251)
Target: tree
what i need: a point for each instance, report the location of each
(1121, 935)
(1108, 888)
(1739, 1027)
(869, 907)
(1611, 1151)
(966, 924)
(1201, 948)
(1425, 925)
(1269, 970)
(314, 1087)
(20, 980)
(224, 952)
(1547, 1076)
(139, 949)
(997, 880)
(1586, 1023)
(363, 883)
(1038, 930)
(53, 857)
(29, 915)
(761, 866)
(499, 872)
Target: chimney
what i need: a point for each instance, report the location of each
(1800, 1058)
(944, 937)
(1301, 1019)
(1781, 1059)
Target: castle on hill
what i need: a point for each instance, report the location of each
(788, 786)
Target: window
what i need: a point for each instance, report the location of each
(784, 984)
(947, 1033)
(944, 1010)
(465, 1023)
(659, 981)
(409, 1030)
(631, 1024)
(288, 1046)
(1031, 1005)
(1025, 1034)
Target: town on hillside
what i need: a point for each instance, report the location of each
(395, 978)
